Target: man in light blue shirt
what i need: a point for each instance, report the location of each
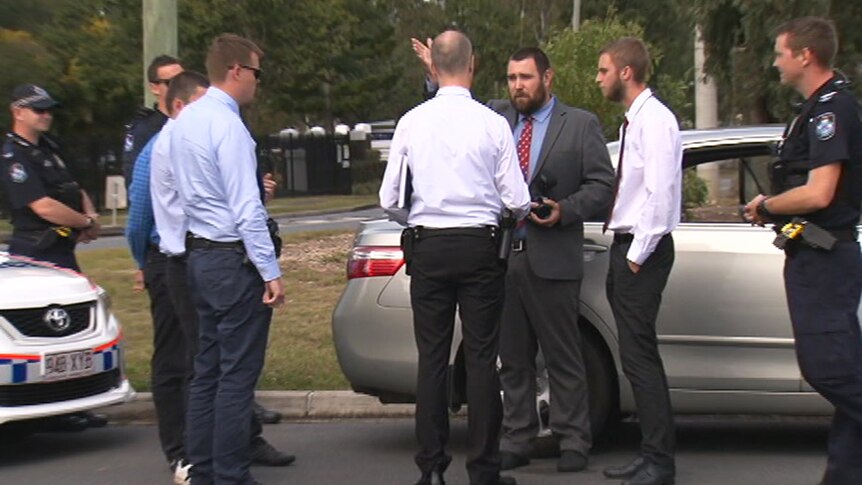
(233, 272)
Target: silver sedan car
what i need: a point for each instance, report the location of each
(724, 330)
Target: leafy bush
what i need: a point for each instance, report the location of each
(694, 190)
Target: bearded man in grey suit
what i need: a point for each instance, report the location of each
(565, 161)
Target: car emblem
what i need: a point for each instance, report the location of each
(57, 319)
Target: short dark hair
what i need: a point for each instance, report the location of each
(537, 55)
(183, 86)
(817, 34)
(158, 63)
(226, 51)
(451, 52)
(631, 52)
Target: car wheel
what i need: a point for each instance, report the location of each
(601, 382)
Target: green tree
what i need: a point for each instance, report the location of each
(574, 56)
(26, 61)
(739, 41)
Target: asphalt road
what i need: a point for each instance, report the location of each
(711, 451)
(288, 225)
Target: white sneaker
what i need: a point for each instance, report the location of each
(181, 472)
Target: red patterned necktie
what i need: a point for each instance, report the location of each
(619, 175)
(524, 143)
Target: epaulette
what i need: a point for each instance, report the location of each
(17, 140)
(143, 112)
(827, 97)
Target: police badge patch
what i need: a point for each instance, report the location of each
(130, 142)
(17, 173)
(824, 126)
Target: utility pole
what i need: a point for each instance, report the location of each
(705, 112)
(160, 35)
(576, 15)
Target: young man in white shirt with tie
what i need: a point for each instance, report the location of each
(646, 209)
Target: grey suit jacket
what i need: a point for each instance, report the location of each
(574, 153)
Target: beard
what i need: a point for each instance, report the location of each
(616, 92)
(526, 104)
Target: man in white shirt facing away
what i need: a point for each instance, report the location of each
(463, 172)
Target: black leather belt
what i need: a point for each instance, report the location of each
(195, 242)
(623, 238)
(519, 245)
(422, 232)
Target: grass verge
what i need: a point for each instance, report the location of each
(300, 354)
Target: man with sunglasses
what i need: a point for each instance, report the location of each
(149, 121)
(50, 212)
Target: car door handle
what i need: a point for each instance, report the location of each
(594, 248)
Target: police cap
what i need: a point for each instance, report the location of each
(32, 96)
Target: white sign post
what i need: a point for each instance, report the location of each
(115, 195)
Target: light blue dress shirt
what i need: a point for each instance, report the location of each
(541, 120)
(171, 221)
(213, 160)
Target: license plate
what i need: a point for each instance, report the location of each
(64, 365)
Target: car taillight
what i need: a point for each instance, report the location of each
(366, 261)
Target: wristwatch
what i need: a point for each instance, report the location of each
(90, 222)
(763, 211)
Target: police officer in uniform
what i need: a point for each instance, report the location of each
(50, 212)
(818, 178)
(149, 121)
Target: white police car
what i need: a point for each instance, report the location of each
(60, 345)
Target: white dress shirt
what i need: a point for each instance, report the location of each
(214, 163)
(649, 199)
(463, 163)
(171, 222)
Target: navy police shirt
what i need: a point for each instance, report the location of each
(31, 172)
(832, 132)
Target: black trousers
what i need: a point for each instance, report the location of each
(232, 335)
(823, 291)
(462, 271)
(61, 253)
(635, 299)
(542, 313)
(169, 363)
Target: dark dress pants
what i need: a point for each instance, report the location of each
(544, 312)
(462, 271)
(168, 365)
(823, 291)
(233, 330)
(177, 282)
(635, 299)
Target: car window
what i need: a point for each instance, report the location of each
(717, 180)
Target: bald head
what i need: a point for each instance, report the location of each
(451, 54)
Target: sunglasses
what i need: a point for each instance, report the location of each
(42, 111)
(256, 70)
(161, 81)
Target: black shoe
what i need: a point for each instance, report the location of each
(571, 461)
(263, 453)
(509, 460)
(433, 478)
(266, 416)
(652, 474)
(626, 471)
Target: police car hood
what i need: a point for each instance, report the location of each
(26, 283)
